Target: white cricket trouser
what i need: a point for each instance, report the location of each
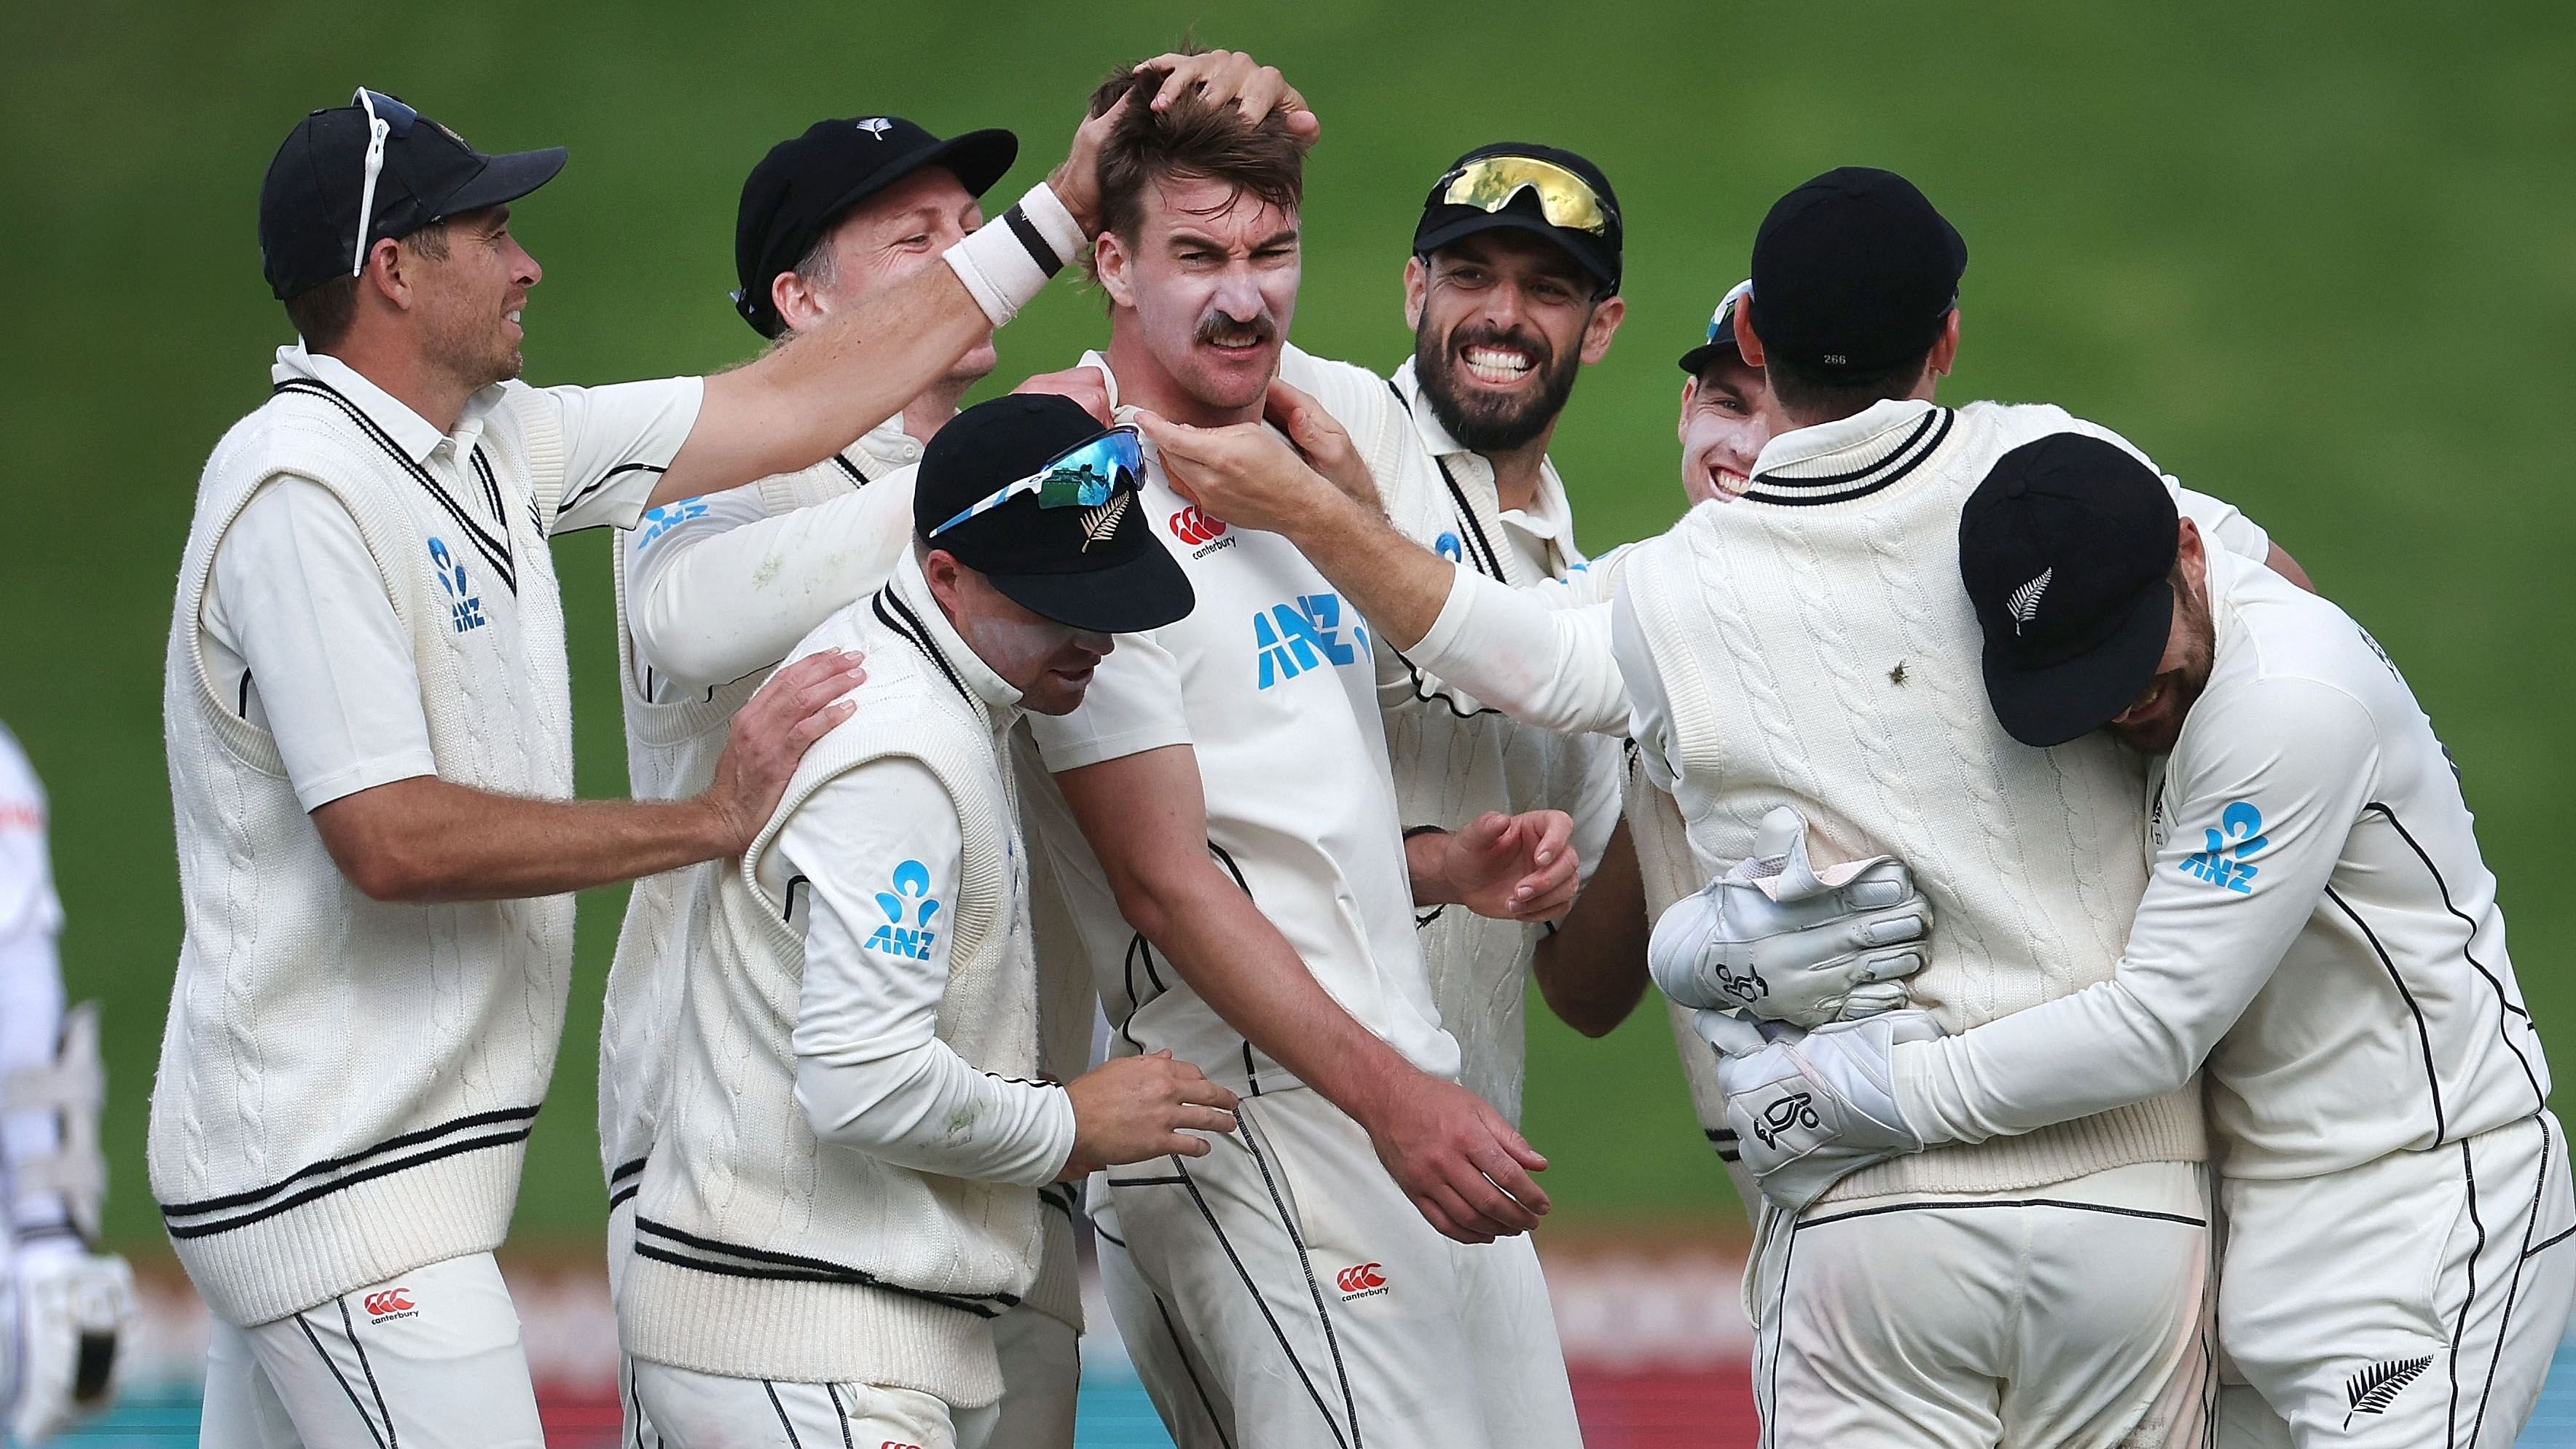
(1041, 1380)
(429, 1359)
(636, 1431)
(1326, 1312)
(2072, 1315)
(1193, 1410)
(716, 1411)
(2416, 1299)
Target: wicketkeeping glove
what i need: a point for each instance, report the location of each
(73, 1306)
(1775, 938)
(1810, 1108)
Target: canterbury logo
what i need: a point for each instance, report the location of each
(2373, 1389)
(1099, 523)
(392, 1300)
(2025, 600)
(1193, 527)
(1360, 1279)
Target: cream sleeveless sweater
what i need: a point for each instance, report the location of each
(1816, 650)
(764, 1253)
(346, 1085)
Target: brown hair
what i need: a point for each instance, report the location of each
(1191, 139)
(322, 312)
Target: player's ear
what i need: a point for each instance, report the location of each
(2190, 554)
(1746, 343)
(1945, 351)
(1681, 415)
(1417, 283)
(1109, 262)
(798, 306)
(1606, 316)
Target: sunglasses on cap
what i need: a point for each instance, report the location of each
(1721, 323)
(385, 117)
(1082, 476)
(1490, 182)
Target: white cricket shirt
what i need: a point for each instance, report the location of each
(299, 631)
(2318, 924)
(1272, 681)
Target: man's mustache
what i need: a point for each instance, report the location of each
(1485, 334)
(1218, 327)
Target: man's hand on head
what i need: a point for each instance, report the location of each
(1230, 76)
(1084, 385)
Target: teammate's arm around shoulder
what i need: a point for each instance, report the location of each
(424, 839)
(1454, 1156)
(2261, 794)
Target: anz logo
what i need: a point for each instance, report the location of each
(2223, 862)
(1290, 639)
(1448, 547)
(911, 888)
(659, 521)
(464, 606)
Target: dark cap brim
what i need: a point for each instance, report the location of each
(504, 178)
(2074, 697)
(1588, 251)
(1696, 360)
(1145, 592)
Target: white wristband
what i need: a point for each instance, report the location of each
(1007, 260)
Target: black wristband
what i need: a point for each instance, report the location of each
(1426, 830)
(1035, 241)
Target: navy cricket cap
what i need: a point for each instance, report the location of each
(1854, 273)
(1534, 205)
(1720, 338)
(309, 202)
(2067, 549)
(1093, 568)
(800, 190)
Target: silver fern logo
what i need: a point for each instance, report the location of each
(2373, 1389)
(2025, 600)
(1102, 522)
(876, 126)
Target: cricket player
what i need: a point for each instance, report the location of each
(1227, 840)
(712, 591)
(2318, 928)
(842, 1199)
(1811, 610)
(369, 739)
(63, 1305)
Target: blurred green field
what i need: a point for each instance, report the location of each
(2318, 259)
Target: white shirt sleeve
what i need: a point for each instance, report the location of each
(303, 642)
(2222, 523)
(717, 587)
(31, 977)
(618, 441)
(1508, 648)
(1134, 705)
(879, 849)
(2278, 781)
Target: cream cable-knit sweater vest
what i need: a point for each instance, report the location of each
(346, 1085)
(1450, 765)
(1823, 655)
(671, 751)
(764, 1253)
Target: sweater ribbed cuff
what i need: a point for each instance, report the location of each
(2160, 1129)
(814, 1333)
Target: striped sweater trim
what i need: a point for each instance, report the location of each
(474, 1132)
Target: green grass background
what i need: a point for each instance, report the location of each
(2318, 259)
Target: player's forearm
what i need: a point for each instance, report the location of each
(720, 605)
(1239, 964)
(424, 839)
(1395, 583)
(1550, 667)
(907, 1107)
(1592, 970)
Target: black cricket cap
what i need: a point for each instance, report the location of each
(2067, 549)
(1093, 568)
(308, 204)
(1443, 223)
(1854, 273)
(801, 188)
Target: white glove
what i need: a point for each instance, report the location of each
(1810, 1108)
(1777, 939)
(73, 1306)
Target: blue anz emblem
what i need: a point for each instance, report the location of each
(464, 606)
(2222, 864)
(659, 521)
(1290, 641)
(1448, 547)
(911, 883)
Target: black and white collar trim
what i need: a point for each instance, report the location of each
(1795, 486)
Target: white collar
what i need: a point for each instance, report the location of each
(414, 434)
(1849, 457)
(991, 690)
(1550, 516)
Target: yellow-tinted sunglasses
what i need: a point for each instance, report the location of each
(1489, 183)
